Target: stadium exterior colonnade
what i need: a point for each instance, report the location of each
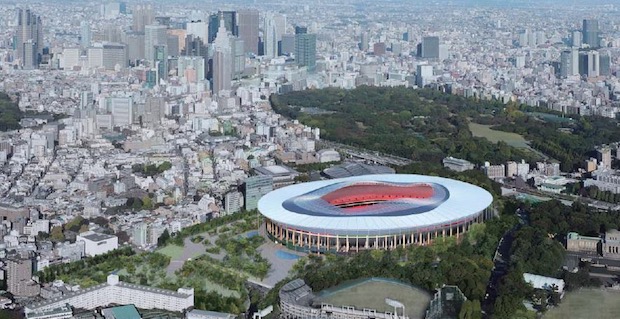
(302, 240)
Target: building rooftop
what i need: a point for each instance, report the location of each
(122, 312)
(92, 236)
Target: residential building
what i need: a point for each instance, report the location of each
(233, 202)
(494, 171)
(120, 293)
(19, 270)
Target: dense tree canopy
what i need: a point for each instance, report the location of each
(10, 114)
(422, 125)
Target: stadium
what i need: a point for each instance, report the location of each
(372, 212)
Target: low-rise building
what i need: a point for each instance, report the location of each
(116, 292)
(97, 243)
(457, 164)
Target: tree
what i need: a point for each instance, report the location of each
(83, 228)
(163, 239)
(56, 235)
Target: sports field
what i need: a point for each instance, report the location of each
(512, 139)
(587, 303)
(371, 294)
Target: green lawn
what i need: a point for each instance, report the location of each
(372, 293)
(587, 304)
(172, 251)
(512, 139)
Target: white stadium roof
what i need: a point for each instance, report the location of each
(464, 201)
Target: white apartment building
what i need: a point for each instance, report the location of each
(117, 292)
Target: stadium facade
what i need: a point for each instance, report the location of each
(372, 212)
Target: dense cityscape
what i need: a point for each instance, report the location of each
(309, 159)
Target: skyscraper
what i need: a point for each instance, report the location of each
(222, 60)
(576, 39)
(161, 61)
(430, 48)
(154, 35)
(305, 48)
(143, 15)
(591, 33)
(85, 34)
(589, 63)
(29, 39)
(230, 23)
(363, 41)
(605, 65)
(247, 20)
(237, 49)
(569, 63)
(270, 36)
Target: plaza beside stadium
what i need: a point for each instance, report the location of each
(372, 212)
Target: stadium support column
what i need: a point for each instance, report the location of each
(347, 243)
(404, 240)
(420, 240)
(328, 241)
(366, 243)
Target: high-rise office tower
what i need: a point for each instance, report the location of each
(161, 61)
(142, 15)
(237, 48)
(589, 63)
(576, 39)
(230, 23)
(430, 48)
(85, 34)
(287, 45)
(281, 24)
(135, 46)
(173, 45)
(29, 39)
(569, 63)
(363, 41)
(198, 29)
(113, 55)
(222, 60)
(247, 20)
(604, 65)
(591, 33)
(270, 36)
(305, 48)
(154, 35)
(301, 30)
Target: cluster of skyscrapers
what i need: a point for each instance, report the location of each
(583, 58)
(213, 49)
(28, 42)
